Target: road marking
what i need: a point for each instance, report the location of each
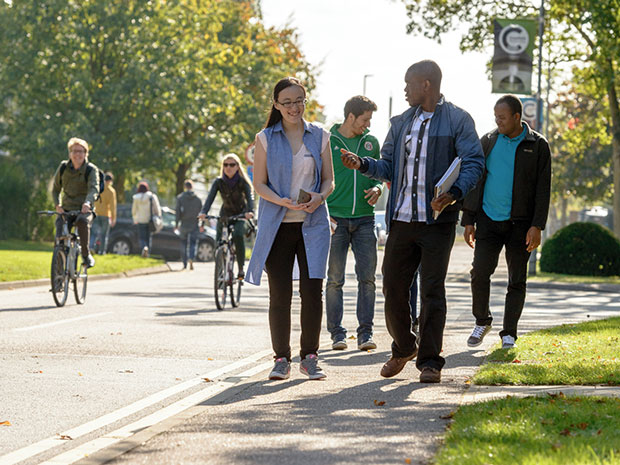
(122, 434)
(60, 322)
(46, 444)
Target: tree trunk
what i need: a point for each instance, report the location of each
(181, 174)
(614, 109)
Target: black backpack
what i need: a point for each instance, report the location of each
(89, 168)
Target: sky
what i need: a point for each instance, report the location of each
(353, 38)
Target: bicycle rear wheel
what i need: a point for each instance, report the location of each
(59, 276)
(79, 283)
(220, 284)
(235, 282)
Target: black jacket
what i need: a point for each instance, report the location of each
(187, 210)
(234, 201)
(531, 187)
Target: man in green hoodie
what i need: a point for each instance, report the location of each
(352, 211)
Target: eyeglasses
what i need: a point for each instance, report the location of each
(77, 151)
(229, 165)
(300, 103)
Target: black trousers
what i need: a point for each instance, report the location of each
(83, 224)
(287, 245)
(408, 246)
(491, 236)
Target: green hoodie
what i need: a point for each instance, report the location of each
(347, 200)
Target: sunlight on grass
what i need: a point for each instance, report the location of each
(584, 353)
(549, 430)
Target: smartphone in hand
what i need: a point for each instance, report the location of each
(303, 196)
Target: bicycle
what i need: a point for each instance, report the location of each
(226, 279)
(67, 250)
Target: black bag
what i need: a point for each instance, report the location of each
(89, 168)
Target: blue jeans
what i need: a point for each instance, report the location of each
(189, 239)
(100, 231)
(144, 236)
(360, 234)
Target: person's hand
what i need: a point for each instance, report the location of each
(112, 223)
(350, 160)
(372, 195)
(470, 235)
(249, 215)
(315, 201)
(288, 203)
(439, 203)
(59, 209)
(202, 216)
(532, 238)
(85, 208)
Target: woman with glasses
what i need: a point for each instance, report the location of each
(235, 189)
(293, 175)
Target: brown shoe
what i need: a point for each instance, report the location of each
(395, 365)
(430, 375)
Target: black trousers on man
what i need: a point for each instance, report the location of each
(491, 237)
(83, 224)
(408, 246)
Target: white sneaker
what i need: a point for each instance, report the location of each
(508, 342)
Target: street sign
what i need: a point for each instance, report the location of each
(513, 55)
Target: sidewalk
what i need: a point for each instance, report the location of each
(355, 415)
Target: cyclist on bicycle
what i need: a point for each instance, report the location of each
(236, 191)
(74, 190)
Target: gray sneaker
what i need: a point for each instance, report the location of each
(339, 343)
(477, 335)
(309, 366)
(366, 343)
(508, 342)
(281, 370)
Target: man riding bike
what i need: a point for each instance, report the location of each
(75, 187)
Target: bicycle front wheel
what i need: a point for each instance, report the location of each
(79, 283)
(235, 282)
(59, 276)
(220, 281)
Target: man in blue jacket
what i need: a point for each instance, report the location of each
(419, 148)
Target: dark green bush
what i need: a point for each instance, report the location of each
(585, 249)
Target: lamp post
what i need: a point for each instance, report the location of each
(365, 76)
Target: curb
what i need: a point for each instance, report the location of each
(481, 393)
(12, 285)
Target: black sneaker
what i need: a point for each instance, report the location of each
(366, 343)
(477, 335)
(339, 343)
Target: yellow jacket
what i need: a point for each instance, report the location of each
(105, 205)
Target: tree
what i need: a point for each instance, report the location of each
(587, 31)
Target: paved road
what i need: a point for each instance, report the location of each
(138, 350)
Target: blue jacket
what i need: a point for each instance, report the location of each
(451, 134)
(315, 227)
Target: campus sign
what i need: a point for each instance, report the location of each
(513, 55)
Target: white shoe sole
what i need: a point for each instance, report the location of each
(340, 345)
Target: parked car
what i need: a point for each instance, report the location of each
(123, 238)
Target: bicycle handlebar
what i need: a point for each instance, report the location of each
(53, 212)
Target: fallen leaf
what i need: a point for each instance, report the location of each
(546, 421)
(209, 358)
(407, 460)
(5, 423)
(379, 402)
(207, 380)
(516, 360)
(447, 416)
(565, 432)
(65, 437)
(80, 374)
(177, 379)
(582, 425)
(351, 337)
(125, 371)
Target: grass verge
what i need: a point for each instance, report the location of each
(579, 354)
(21, 260)
(551, 430)
(573, 279)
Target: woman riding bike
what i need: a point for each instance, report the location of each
(236, 191)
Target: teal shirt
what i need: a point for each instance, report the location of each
(497, 199)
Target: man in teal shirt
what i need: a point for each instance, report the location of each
(352, 211)
(507, 209)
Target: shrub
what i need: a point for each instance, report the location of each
(585, 249)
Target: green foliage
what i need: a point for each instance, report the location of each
(552, 429)
(585, 249)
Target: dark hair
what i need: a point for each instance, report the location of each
(188, 183)
(513, 102)
(143, 187)
(274, 115)
(428, 69)
(108, 177)
(359, 105)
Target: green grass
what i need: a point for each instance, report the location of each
(582, 354)
(21, 260)
(574, 279)
(550, 430)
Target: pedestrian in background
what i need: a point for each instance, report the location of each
(187, 210)
(235, 188)
(145, 205)
(352, 209)
(507, 209)
(105, 210)
(421, 145)
(292, 158)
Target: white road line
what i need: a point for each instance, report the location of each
(46, 444)
(60, 322)
(127, 431)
